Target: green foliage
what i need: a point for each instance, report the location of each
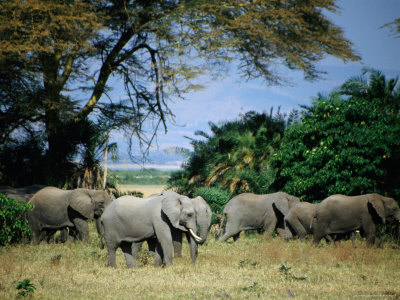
(25, 288)
(347, 142)
(216, 197)
(235, 156)
(14, 226)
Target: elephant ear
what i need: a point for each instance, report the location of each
(201, 207)
(172, 207)
(282, 204)
(292, 201)
(377, 204)
(81, 201)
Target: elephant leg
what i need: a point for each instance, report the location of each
(112, 259)
(82, 228)
(353, 239)
(129, 256)
(158, 255)
(177, 242)
(269, 224)
(164, 238)
(230, 231)
(318, 235)
(136, 246)
(281, 232)
(236, 237)
(369, 229)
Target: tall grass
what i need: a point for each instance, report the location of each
(255, 267)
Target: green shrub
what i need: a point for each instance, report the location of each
(216, 197)
(14, 226)
(25, 288)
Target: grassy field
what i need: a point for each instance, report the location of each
(255, 267)
(147, 190)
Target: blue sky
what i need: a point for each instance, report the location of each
(225, 99)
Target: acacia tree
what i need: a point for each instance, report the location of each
(60, 59)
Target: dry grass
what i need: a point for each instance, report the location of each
(147, 190)
(256, 267)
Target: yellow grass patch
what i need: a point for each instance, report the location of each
(147, 190)
(255, 267)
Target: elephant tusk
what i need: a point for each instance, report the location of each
(197, 238)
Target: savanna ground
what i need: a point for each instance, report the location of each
(147, 190)
(255, 267)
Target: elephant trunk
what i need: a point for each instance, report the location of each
(203, 226)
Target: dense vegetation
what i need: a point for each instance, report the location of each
(60, 60)
(14, 226)
(346, 142)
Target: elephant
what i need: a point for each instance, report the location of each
(57, 209)
(299, 222)
(250, 211)
(23, 194)
(340, 214)
(128, 222)
(203, 221)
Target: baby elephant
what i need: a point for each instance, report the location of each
(128, 222)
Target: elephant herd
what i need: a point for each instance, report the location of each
(162, 220)
(337, 216)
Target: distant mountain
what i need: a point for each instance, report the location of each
(156, 160)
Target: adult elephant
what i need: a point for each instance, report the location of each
(128, 222)
(299, 223)
(23, 194)
(339, 214)
(250, 211)
(203, 216)
(56, 209)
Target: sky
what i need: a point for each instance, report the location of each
(225, 99)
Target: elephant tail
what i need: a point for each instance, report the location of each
(100, 231)
(222, 224)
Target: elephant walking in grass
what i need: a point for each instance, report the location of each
(129, 221)
(249, 211)
(57, 209)
(339, 214)
(299, 223)
(203, 221)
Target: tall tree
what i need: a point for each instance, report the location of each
(64, 58)
(235, 156)
(346, 142)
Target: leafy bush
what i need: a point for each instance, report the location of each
(216, 197)
(25, 288)
(14, 226)
(346, 143)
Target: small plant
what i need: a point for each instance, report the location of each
(55, 260)
(286, 272)
(247, 262)
(25, 288)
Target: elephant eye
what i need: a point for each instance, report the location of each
(190, 215)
